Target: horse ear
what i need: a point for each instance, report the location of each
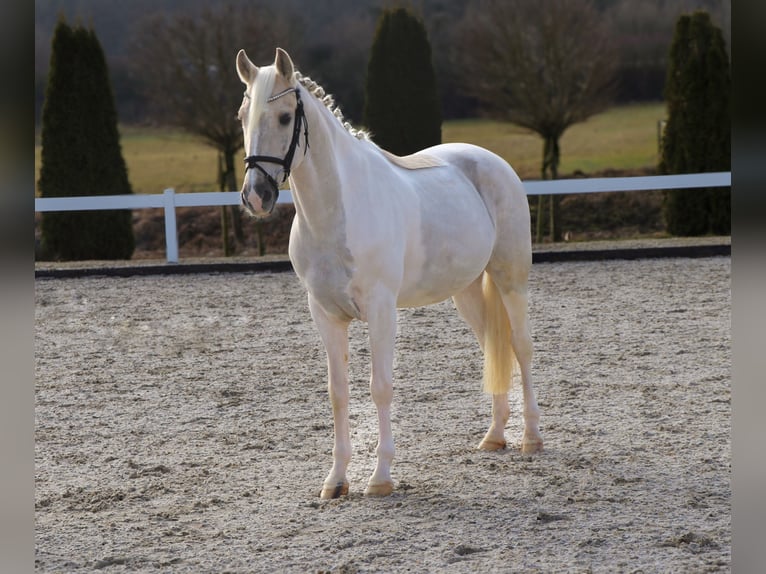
(284, 64)
(245, 68)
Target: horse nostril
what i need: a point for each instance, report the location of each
(267, 193)
(252, 207)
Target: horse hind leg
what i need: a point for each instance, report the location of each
(472, 306)
(515, 301)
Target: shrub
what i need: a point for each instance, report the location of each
(401, 106)
(697, 136)
(81, 152)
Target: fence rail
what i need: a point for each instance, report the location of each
(169, 199)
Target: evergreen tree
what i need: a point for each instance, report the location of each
(81, 152)
(697, 135)
(401, 106)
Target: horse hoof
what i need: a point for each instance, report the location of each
(531, 446)
(329, 492)
(492, 445)
(382, 489)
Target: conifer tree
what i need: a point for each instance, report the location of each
(697, 135)
(401, 106)
(81, 152)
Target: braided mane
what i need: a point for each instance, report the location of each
(318, 92)
(413, 161)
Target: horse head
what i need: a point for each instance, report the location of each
(272, 118)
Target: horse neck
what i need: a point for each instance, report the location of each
(318, 183)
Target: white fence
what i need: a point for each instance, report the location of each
(169, 200)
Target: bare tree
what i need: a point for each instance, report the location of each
(542, 65)
(186, 63)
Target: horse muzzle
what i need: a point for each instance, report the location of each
(260, 200)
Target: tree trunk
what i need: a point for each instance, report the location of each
(261, 242)
(555, 199)
(539, 219)
(551, 158)
(227, 248)
(230, 184)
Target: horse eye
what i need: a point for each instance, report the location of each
(284, 119)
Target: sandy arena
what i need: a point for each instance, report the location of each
(183, 425)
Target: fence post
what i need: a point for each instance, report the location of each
(171, 233)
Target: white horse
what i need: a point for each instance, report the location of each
(373, 232)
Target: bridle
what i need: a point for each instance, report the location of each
(251, 161)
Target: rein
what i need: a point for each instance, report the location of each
(251, 161)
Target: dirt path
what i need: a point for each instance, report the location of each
(182, 425)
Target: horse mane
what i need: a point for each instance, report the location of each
(319, 93)
(414, 161)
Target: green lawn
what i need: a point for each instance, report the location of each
(623, 137)
(161, 158)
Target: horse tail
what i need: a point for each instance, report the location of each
(499, 357)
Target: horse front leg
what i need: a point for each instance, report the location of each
(382, 331)
(334, 335)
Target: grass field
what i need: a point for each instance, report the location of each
(623, 137)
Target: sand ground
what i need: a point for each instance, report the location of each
(183, 425)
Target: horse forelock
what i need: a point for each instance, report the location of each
(259, 94)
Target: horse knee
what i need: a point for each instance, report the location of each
(382, 391)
